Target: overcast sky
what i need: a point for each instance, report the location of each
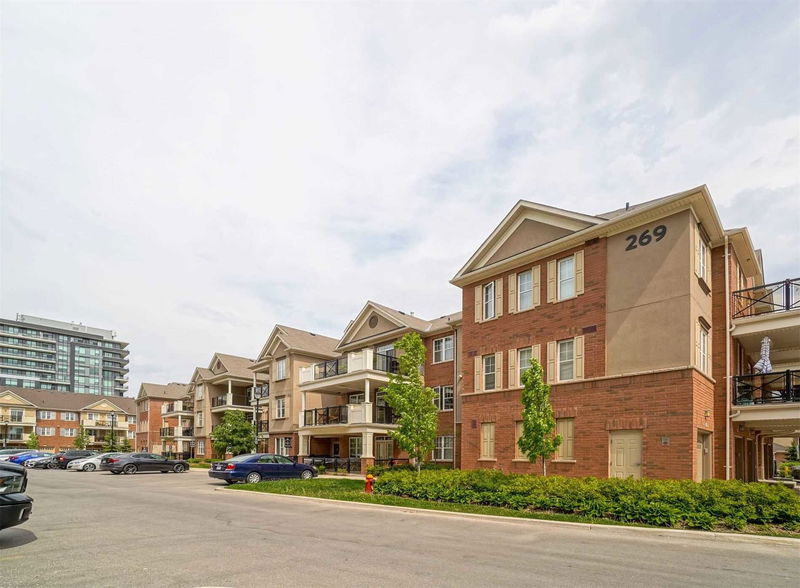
(188, 174)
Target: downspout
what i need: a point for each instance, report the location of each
(728, 330)
(455, 393)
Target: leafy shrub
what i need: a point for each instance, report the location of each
(377, 470)
(663, 503)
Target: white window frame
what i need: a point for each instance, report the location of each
(442, 396)
(561, 280)
(703, 349)
(487, 449)
(69, 432)
(520, 291)
(702, 252)
(46, 431)
(281, 447)
(489, 311)
(17, 415)
(280, 369)
(444, 449)
(69, 416)
(562, 362)
(487, 373)
(280, 407)
(441, 351)
(357, 451)
(520, 366)
(356, 398)
(198, 392)
(201, 446)
(46, 415)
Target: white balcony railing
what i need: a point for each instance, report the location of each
(355, 361)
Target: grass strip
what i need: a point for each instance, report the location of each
(349, 490)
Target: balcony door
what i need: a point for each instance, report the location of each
(384, 448)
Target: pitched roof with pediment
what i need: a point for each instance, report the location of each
(71, 401)
(171, 391)
(532, 231)
(299, 341)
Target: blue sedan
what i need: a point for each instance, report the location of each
(254, 467)
(23, 457)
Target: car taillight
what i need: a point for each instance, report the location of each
(230, 466)
(62, 458)
(112, 460)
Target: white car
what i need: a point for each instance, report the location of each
(31, 463)
(88, 464)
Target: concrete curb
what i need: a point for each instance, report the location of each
(619, 529)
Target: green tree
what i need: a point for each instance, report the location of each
(110, 445)
(82, 440)
(537, 439)
(792, 453)
(235, 434)
(412, 401)
(33, 441)
(125, 446)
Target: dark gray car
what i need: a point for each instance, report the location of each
(131, 463)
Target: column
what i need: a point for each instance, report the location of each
(367, 403)
(302, 451)
(230, 393)
(367, 456)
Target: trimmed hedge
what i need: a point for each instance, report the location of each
(377, 470)
(663, 503)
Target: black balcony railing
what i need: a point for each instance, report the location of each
(335, 464)
(384, 415)
(261, 391)
(187, 432)
(771, 388)
(263, 426)
(175, 407)
(330, 368)
(330, 415)
(167, 431)
(177, 455)
(14, 437)
(385, 363)
(769, 298)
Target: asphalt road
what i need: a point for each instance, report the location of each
(95, 529)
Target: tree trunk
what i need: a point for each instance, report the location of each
(544, 466)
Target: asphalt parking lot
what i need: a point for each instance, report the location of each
(96, 529)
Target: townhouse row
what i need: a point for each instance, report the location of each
(56, 418)
(667, 354)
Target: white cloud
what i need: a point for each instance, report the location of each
(191, 174)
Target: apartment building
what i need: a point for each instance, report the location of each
(57, 417)
(647, 336)
(159, 407)
(286, 352)
(226, 384)
(48, 354)
(342, 412)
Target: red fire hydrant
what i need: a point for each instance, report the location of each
(368, 485)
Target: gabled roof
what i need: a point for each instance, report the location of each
(486, 262)
(233, 365)
(171, 391)
(299, 341)
(71, 401)
(400, 322)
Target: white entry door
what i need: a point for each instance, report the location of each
(625, 460)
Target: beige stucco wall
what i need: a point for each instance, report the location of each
(365, 331)
(700, 301)
(527, 236)
(649, 299)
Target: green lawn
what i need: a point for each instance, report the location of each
(353, 491)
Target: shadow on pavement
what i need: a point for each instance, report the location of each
(15, 538)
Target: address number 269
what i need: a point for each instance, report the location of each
(645, 238)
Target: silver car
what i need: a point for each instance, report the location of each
(88, 464)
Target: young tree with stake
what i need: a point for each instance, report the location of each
(537, 439)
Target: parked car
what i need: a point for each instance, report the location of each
(89, 464)
(130, 463)
(9, 453)
(15, 505)
(62, 459)
(23, 457)
(40, 462)
(254, 467)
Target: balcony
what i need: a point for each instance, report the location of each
(262, 427)
(230, 402)
(364, 363)
(179, 406)
(771, 388)
(262, 392)
(348, 414)
(767, 299)
(176, 432)
(25, 420)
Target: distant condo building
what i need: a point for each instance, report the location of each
(55, 355)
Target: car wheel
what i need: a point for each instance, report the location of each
(52, 465)
(89, 467)
(253, 478)
(179, 468)
(130, 468)
(307, 475)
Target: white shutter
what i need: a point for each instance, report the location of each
(578, 273)
(536, 278)
(697, 360)
(707, 277)
(512, 369)
(498, 370)
(579, 357)
(512, 293)
(478, 374)
(551, 281)
(536, 353)
(478, 303)
(498, 297)
(551, 362)
(697, 251)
